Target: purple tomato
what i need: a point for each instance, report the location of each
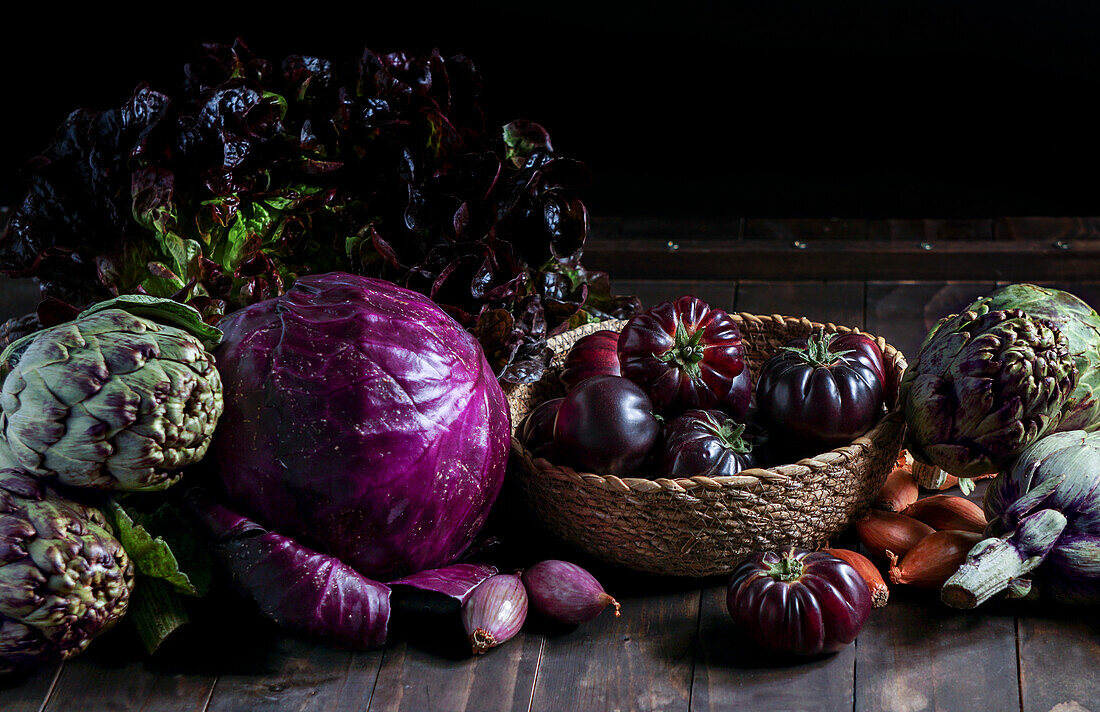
(799, 602)
(819, 393)
(686, 355)
(594, 355)
(705, 442)
(606, 425)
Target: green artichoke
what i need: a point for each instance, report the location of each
(1081, 325)
(113, 400)
(64, 579)
(985, 385)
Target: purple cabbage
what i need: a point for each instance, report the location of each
(314, 594)
(362, 421)
(300, 589)
(456, 581)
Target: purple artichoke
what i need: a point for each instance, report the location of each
(1044, 513)
(64, 578)
(984, 386)
(1081, 326)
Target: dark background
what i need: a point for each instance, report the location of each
(934, 109)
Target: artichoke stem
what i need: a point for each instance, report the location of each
(156, 611)
(994, 565)
(987, 574)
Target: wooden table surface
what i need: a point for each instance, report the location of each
(674, 647)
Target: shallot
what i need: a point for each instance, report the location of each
(899, 492)
(565, 592)
(882, 531)
(934, 559)
(880, 592)
(494, 612)
(945, 511)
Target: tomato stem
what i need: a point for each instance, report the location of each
(816, 352)
(686, 351)
(787, 569)
(729, 432)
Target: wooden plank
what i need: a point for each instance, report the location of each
(117, 675)
(728, 672)
(1047, 229)
(28, 691)
(845, 260)
(836, 302)
(719, 294)
(917, 654)
(642, 661)
(438, 673)
(1058, 654)
(676, 228)
(808, 230)
(931, 231)
(732, 674)
(902, 313)
(292, 674)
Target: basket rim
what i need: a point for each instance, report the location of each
(779, 474)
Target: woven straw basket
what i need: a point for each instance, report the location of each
(701, 526)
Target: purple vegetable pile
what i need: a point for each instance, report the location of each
(377, 258)
(367, 426)
(258, 171)
(672, 394)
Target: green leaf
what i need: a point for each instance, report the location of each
(182, 253)
(966, 485)
(280, 100)
(151, 555)
(162, 311)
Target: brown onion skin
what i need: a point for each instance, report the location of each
(880, 592)
(820, 611)
(882, 531)
(934, 559)
(494, 612)
(899, 492)
(565, 592)
(945, 511)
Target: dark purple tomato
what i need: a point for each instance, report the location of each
(606, 425)
(862, 348)
(705, 442)
(537, 433)
(686, 355)
(594, 355)
(817, 396)
(799, 602)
